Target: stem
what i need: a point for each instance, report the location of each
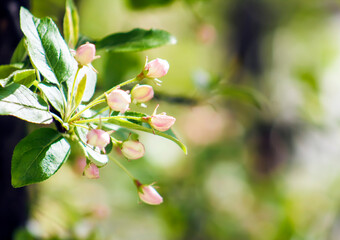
(91, 104)
(82, 126)
(99, 98)
(70, 99)
(106, 118)
(122, 167)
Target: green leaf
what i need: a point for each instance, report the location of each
(38, 156)
(17, 100)
(47, 49)
(80, 91)
(145, 127)
(53, 95)
(71, 24)
(25, 77)
(244, 94)
(141, 4)
(20, 52)
(7, 72)
(135, 40)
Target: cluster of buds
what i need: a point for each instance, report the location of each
(120, 100)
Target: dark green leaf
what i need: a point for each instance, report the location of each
(71, 24)
(38, 156)
(53, 95)
(17, 100)
(20, 53)
(140, 4)
(135, 40)
(46, 48)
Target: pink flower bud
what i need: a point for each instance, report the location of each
(156, 68)
(98, 138)
(133, 149)
(162, 122)
(149, 195)
(118, 100)
(142, 93)
(91, 171)
(85, 53)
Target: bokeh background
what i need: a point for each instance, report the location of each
(255, 88)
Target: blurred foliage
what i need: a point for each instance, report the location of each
(251, 173)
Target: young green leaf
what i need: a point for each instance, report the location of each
(80, 91)
(71, 24)
(25, 77)
(38, 156)
(7, 72)
(17, 100)
(53, 95)
(47, 49)
(20, 53)
(135, 40)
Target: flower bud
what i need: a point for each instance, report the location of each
(142, 93)
(98, 138)
(156, 68)
(133, 149)
(85, 54)
(91, 171)
(149, 195)
(118, 100)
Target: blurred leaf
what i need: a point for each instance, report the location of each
(20, 52)
(23, 234)
(71, 24)
(135, 40)
(17, 100)
(46, 48)
(53, 95)
(245, 94)
(38, 156)
(118, 66)
(25, 77)
(80, 91)
(145, 127)
(140, 4)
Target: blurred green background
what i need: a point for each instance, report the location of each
(254, 85)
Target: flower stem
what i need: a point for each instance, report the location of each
(122, 167)
(99, 98)
(106, 118)
(70, 97)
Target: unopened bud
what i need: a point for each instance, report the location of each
(142, 93)
(156, 68)
(161, 122)
(85, 54)
(149, 195)
(118, 100)
(91, 171)
(133, 149)
(98, 138)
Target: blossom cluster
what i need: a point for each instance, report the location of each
(119, 100)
